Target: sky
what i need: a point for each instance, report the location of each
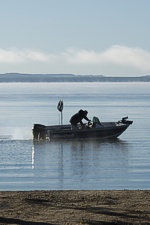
(87, 37)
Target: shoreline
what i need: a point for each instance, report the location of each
(75, 207)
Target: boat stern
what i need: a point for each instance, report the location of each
(39, 132)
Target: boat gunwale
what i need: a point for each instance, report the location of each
(59, 129)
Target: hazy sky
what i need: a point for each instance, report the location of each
(108, 37)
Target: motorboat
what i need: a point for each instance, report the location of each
(91, 130)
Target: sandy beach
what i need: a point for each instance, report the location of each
(74, 207)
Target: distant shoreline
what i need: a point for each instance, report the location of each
(18, 77)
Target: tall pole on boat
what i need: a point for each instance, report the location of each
(60, 109)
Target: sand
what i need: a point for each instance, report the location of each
(75, 207)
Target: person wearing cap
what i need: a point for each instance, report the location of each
(78, 117)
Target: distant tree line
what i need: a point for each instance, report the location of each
(16, 77)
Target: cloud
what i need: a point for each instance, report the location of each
(127, 56)
(117, 55)
(15, 56)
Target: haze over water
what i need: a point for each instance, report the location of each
(123, 163)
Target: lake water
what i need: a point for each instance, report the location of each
(69, 165)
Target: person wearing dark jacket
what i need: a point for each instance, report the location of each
(77, 118)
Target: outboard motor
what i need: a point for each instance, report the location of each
(38, 132)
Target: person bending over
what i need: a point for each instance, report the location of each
(78, 117)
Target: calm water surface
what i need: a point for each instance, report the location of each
(117, 164)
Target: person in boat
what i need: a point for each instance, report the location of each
(78, 117)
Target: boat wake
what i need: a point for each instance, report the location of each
(16, 133)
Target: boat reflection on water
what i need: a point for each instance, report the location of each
(80, 164)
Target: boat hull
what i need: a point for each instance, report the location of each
(103, 131)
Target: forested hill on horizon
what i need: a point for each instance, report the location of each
(19, 77)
